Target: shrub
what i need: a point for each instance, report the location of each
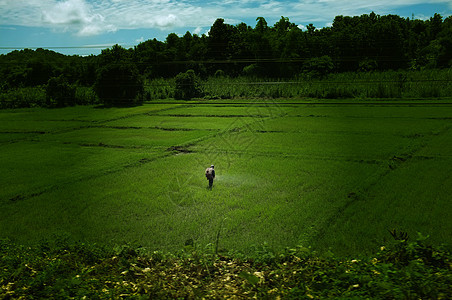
(220, 74)
(319, 66)
(187, 86)
(23, 97)
(159, 88)
(85, 96)
(368, 65)
(59, 93)
(253, 70)
(119, 84)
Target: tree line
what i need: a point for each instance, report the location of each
(369, 42)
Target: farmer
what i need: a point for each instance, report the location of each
(210, 175)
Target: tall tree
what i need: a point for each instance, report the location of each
(119, 84)
(220, 35)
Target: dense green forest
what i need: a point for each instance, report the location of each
(352, 44)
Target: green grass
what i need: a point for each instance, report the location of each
(35, 167)
(50, 120)
(397, 200)
(174, 122)
(133, 138)
(325, 175)
(358, 85)
(254, 111)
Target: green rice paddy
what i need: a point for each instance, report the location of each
(328, 175)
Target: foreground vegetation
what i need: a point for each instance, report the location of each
(58, 269)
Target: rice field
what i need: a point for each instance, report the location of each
(333, 175)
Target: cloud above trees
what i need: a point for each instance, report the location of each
(75, 14)
(90, 18)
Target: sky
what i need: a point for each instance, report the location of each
(84, 27)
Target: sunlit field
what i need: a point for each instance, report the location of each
(331, 176)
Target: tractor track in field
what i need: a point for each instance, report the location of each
(101, 123)
(24, 132)
(394, 163)
(40, 191)
(148, 127)
(97, 123)
(297, 156)
(213, 116)
(171, 151)
(184, 148)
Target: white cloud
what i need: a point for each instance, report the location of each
(421, 17)
(167, 21)
(93, 29)
(94, 17)
(197, 30)
(77, 16)
(273, 5)
(67, 13)
(85, 18)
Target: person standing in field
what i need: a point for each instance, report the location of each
(210, 175)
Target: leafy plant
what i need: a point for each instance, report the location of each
(58, 269)
(319, 67)
(188, 86)
(119, 84)
(59, 92)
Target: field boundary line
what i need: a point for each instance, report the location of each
(294, 155)
(212, 116)
(143, 113)
(41, 191)
(209, 156)
(70, 129)
(393, 163)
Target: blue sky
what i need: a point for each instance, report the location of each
(86, 26)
